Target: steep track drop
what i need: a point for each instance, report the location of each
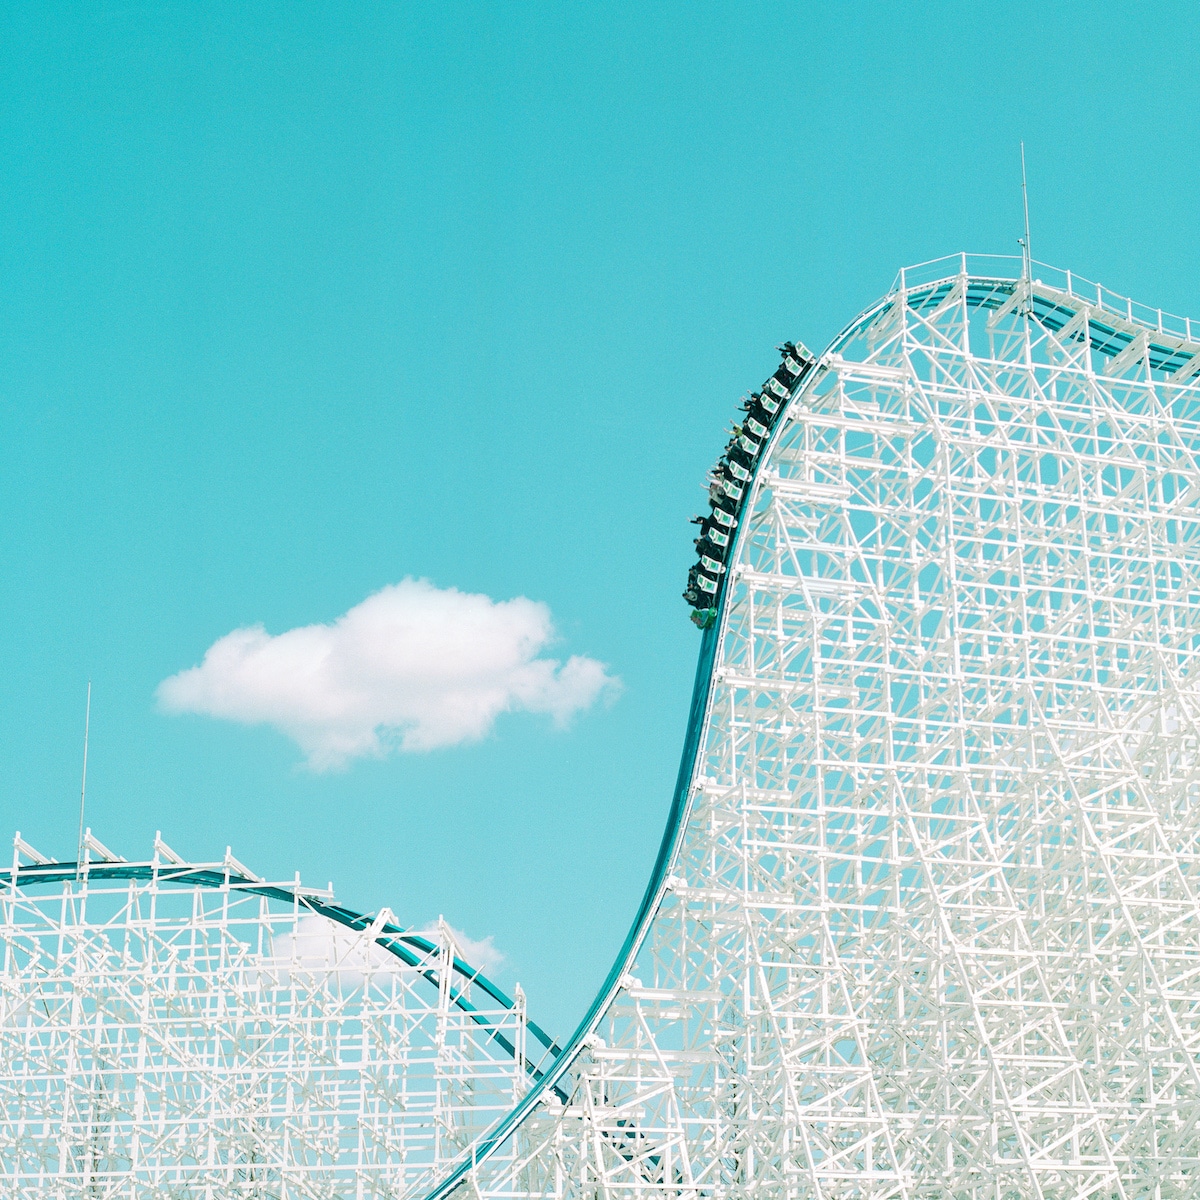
(924, 920)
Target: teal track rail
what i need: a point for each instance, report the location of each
(658, 876)
(1053, 309)
(410, 948)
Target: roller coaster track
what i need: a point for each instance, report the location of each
(416, 950)
(924, 916)
(173, 1028)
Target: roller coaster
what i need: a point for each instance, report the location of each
(925, 919)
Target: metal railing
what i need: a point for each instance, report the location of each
(1010, 266)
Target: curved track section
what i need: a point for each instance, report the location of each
(182, 1029)
(924, 919)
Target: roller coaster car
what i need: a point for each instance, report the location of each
(768, 403)
(736, 469)
(799, 353)
(761, 415)
(726, 487)
(755, 401)
(727, 480)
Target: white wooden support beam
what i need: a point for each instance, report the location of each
(1077, 325)
(1189, 368)
(233, 864)
(101, 851)
(1020, 294)
(163, 851)
(21, 846)
(1133, 353)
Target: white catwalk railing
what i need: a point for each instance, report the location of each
(1007, 266)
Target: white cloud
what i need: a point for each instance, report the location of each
(413, 665)
(481, 954)
(322, 949)
(317, 948)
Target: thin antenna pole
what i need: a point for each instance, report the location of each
(1025, 202)
(87, 721)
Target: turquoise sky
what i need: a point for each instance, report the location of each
(298, 300)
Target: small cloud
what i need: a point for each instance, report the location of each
(481, 954)
(412, 666)
(318, 949)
